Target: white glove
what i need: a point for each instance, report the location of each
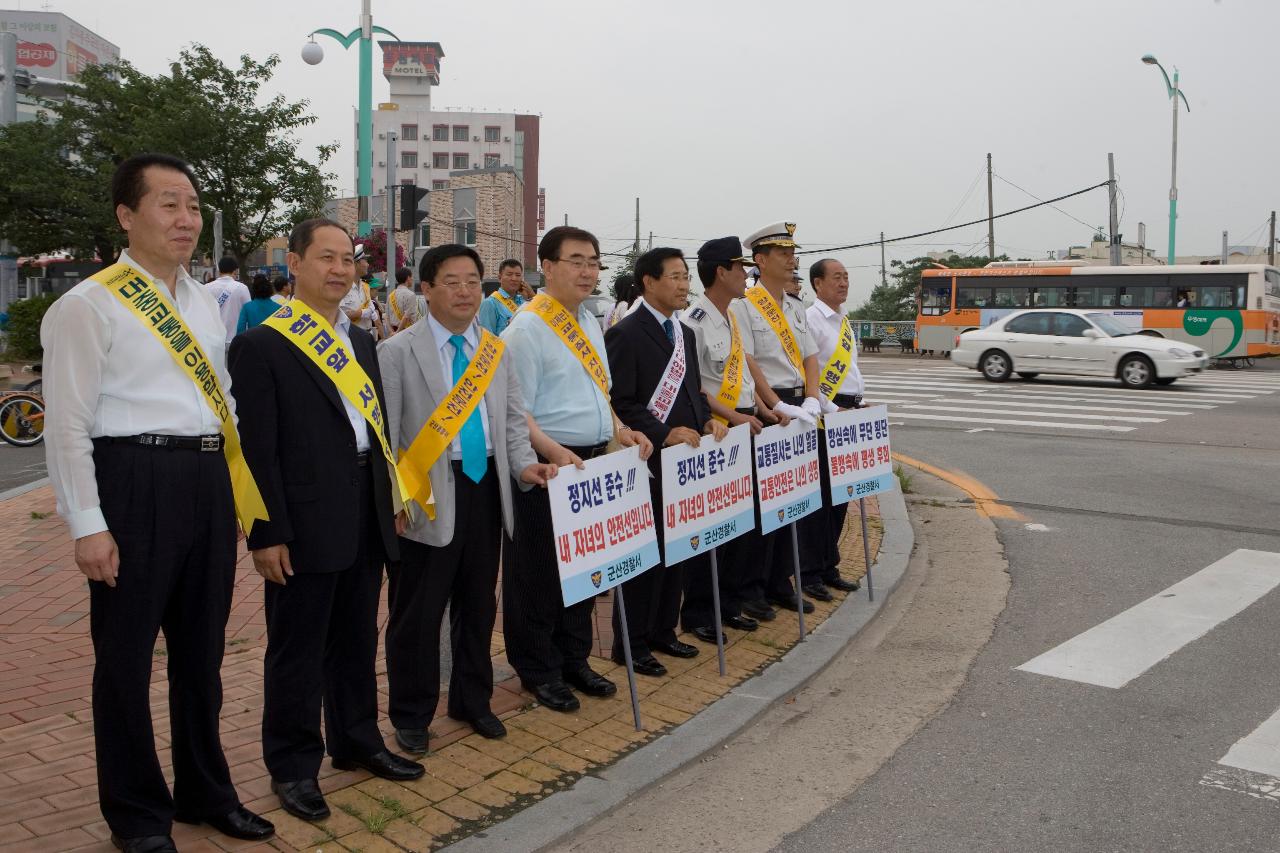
(794, 412)
(813, 407)
(828, 407)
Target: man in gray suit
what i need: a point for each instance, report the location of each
(454, 557)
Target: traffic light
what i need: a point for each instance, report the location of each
(411, 197)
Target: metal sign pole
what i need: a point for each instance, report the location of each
(795, 559)
(866, 547)
(715, 603)
(626, 654)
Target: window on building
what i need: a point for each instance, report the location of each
(439, 185)
(440, 132)
(465, 233)
(409, 132)
(440, 160)
(408, 181)
(277, 257)
(424, 234)
(492, 161)
(461, 132)
(492, 133)
(408, 159)
(461, 161)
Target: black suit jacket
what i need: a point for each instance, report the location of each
(638, 353)
(299, 444)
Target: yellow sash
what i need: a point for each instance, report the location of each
(446, 421)
(731, 383)
(772, 313)
(144, 300)
(838, 365)
(395, 309)
(506, 300)
(566, 327)
(315, 338)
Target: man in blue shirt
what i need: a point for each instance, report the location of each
(496, 311)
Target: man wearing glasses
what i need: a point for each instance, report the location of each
(566, 393)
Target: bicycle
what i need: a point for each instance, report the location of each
(22, 418)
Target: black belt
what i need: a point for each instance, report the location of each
(798, 391)
(848, 401)
(585, 453)
(749, 411)
(457, 464)
(203, 443)
(362, 459)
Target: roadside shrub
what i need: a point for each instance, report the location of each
(23, 331)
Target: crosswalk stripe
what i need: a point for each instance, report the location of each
(979, 410)
(913, 416)
(1120, 649)
(1258, 751)
(1052, 395)
(986, 400)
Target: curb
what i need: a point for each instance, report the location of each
(18, 491)
(595, 795)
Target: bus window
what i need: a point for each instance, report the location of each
(1215, 296)
(1272, 283)
(1049, 297)
(1013, 297)
(936, 298)
(1161, 297)
(973, 297)
(1095, 297)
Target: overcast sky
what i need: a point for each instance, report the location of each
(846, 117)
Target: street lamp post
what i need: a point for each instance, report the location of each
(312, 53)
(1174, 93)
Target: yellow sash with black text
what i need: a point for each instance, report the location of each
(566, 327)
(399, 315)
(507, 301)
(731, 382)
(446, 421)
(772, 313)
(143, 299)
(832, 376)
(311, 333)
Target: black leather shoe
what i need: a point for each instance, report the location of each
(789, 603)
(302, 799)
(676, 649)
(647, 665)
(843, 585)
(413, 741)
(238, 823)
(384, 764)
(485, 724)
(145, 844)
(590, 683)
(759, 609)
(818, 592)
(707, 634)
(740, 623)
(554, 695)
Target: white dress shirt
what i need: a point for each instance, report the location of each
(824, 325)
(230, 295)
(678, 336)
(767, 346)
(445, 349)
(106, 374)
(356, 297)
(358, 424)
(713, 341)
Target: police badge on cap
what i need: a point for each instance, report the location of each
(778, 234)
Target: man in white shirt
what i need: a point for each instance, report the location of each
(135, 456)
(358, 303)
(402, 303)
(230, 294)
(820, 556)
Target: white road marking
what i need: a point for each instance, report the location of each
(988, 400)
(1051, 395)
(897, 413)
(1120, 649)
(1259, 751)
(978, 410)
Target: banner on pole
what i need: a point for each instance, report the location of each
(858, 460)
(707, 494)
(603, 522)
(787, 481)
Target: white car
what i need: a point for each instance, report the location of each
(1078, 343)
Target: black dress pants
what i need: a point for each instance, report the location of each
(738, 565)
(463, 575)
(544, 638)
(808, 530)
(322, 642)
(818, 553)
(653, 599)
(172, 516)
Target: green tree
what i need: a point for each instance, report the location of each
(55, 174)
(896, 300)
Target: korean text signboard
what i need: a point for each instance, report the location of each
(858, 458)
(604, 525)
(787, 480)
(708, 494)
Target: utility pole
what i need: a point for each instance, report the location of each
(991, 216)
(884, 280)
(1224, 248)
(1142, 242)
(651, 238)
(566, 219)
(1271, 244)
(1115, 219)
(217, 237)
(637, 245)
(8, 78)
(391, 210)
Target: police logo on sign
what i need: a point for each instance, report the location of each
(782, 513)
(596, 578)
(694, 542)
(849, 489)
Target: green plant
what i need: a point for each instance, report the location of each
(24, 325)
(904, 479)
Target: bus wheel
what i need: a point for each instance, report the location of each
(1022, 374)
(1136, 371)
(995, 366)
(1166, 380)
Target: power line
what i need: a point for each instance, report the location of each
(1037, 198)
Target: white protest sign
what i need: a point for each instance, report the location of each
(787, 479)
(603, 522)
(858, 459)
(708, 494)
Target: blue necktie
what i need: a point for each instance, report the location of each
(474, 457)
(670, 329)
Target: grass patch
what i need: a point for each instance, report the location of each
(904, 479)
(375, 823)
(40, 516)
(393, 806)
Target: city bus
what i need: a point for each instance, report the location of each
(1232, 311)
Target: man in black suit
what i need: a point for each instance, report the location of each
(328, 489)
(657, 390)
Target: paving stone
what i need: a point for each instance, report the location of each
(436, 822)
(487, 795)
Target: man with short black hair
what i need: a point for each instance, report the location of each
(283, 290)
(358, 303)
(143, 453)
(402, 303)
(230, 293)
(497, 310)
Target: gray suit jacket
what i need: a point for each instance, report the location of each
(414, 384)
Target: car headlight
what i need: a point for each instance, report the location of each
(1178, 352)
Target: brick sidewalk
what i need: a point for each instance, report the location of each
(48, 783)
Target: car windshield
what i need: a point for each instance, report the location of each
(1110, 325)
